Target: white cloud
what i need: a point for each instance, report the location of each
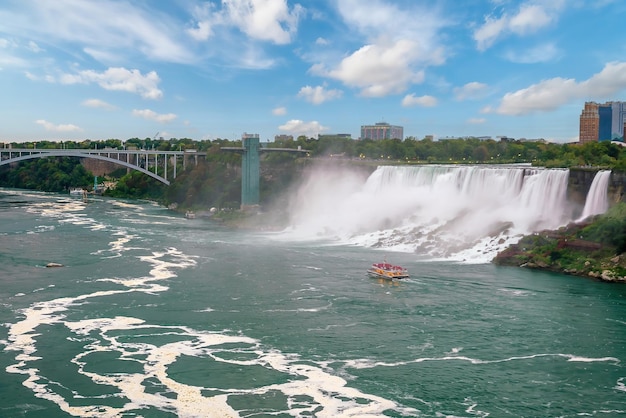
(424, 101)
(251, 57)
(279, 111)
(203, 28)
(119, 79)
(400, 43)
(49, 126)
(319, 94)
(264, 20)
(529, 18)
(152, 115)
(540, 53)
(268, 20)
(550, 94)
(473, 90)
(476, 121)
(103, 55)
(7, 58)
(201, 32)
(106, 25)
(378, 69)
(97, 103)
(297, 127)
(487, 34)
(377, 18)
(34, 47)
(321, 41)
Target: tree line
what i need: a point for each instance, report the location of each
(216, 181)
(458, 150)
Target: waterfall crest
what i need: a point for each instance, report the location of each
(466, 213)
(597, 201)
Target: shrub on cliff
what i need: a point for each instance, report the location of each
(595, 248)
(609, 229)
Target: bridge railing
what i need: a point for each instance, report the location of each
(140, 160)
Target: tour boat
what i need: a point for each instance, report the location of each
(388, 271)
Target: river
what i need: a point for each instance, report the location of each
(155, 315)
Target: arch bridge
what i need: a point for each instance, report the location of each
(145, 161)
(149, 161)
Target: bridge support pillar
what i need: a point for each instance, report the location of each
(250, 171)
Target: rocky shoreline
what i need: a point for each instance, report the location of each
(569, 251)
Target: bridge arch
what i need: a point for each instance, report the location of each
(70, 153)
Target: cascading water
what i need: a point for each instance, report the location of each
(465, 213)
(597, 201)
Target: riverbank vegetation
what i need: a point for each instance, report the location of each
(593, 248)
(47, 174)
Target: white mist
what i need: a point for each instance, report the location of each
(464, 213)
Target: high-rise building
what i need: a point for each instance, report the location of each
(382, 130)
(602, 122)
(589, 122)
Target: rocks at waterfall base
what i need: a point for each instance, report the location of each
(564, 251)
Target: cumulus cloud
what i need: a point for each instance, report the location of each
(202, 28)
(49, 126)
(264, 20)
(297, 127)
(397, 49)
(118, 79)
(202, 31)
(550, 94)
(279, 111)
(378, 69)
(321, 41)
(473, 90)
(152, 115)
(424, 101)
(97, 103)
(319, 94)
(529, 18)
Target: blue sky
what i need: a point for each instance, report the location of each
(79, 69)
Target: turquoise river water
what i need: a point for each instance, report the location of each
(154, 315)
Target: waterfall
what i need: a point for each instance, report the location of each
(597, 201)
(464, 213)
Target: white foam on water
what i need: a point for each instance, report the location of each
(369, 364)
(310, 389)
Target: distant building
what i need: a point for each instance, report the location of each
(602, 122)
(589, 123)
(283, 138)
(334, 136)
(382, 130)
